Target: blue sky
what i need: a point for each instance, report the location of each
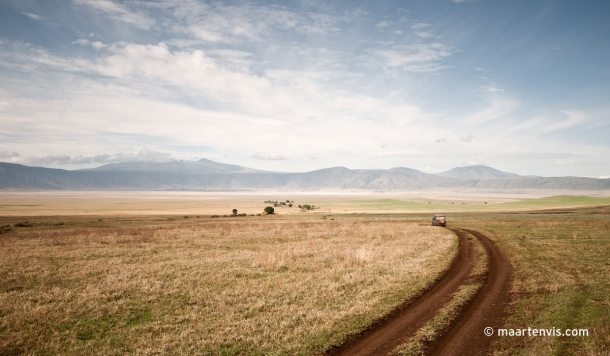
(522, 86)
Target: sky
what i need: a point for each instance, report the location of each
(522, 85)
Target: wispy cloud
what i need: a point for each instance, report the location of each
(220, 23)
(467, 138)
(269, 156)
(416, 57)
(32, 16)
(384, 24)
(492, 88)
(419, 26)
(118, 11)
(424, 34)
(144, 155)
(85, 42)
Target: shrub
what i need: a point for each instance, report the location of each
(234, 211)
(306, 207)
(269, 210)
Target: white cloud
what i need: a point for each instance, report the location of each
(144, 155)
(497, 107)
(419, 26)
(398, 32)
(7, 156)
(84, 42)
(118, 12)
(492, 88)
(467, 138)
(416, 57)
(269, 156)
(383, 24)
(219, 23)
(441, 140)
(424, 34)
(32, 16)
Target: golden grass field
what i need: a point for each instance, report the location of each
(247, 285)
(127, 273)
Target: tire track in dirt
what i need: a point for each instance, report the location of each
(488, 308)
(385, 335)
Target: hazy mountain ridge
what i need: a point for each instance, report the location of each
(208, 175)
(201, 166)
(477, 172)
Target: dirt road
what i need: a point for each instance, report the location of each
(465, 336)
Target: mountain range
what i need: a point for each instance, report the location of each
(207, 175)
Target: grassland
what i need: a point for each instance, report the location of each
(150, 281)
(562, 276)
(24, 204)
(205, 286)
(480, 205)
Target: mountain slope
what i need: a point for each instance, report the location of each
(201, 166)
(213, 176)
(477, 172)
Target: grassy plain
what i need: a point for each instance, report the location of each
(562, 276)
(59, 203)
(248, 285)
(129, 274)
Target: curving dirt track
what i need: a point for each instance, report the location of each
(489, 308)
(465, 336)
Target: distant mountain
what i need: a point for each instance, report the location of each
(208, 175)
(477, 172)
(410, 171)
(201, 166)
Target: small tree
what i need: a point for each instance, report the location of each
(269, 210)
(234, 211)
(290, 205)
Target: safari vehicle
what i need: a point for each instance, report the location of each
(439, 220)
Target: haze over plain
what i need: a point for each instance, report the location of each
(295, 86)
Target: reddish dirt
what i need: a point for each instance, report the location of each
(465, 336)
(488, 308)
(384, 336)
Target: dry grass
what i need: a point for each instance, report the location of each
(562, 278)
(208, 287)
